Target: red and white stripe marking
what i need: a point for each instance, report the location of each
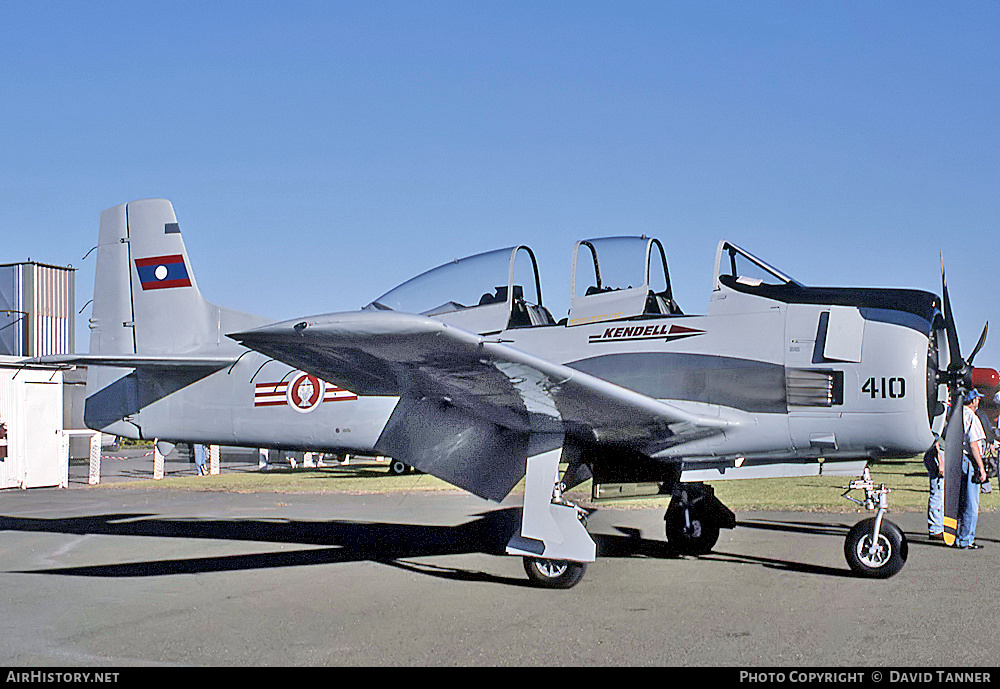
(276, 394)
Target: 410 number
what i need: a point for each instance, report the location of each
(892, 388)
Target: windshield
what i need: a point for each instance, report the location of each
(452, 286)
(611, 263)
(749, 270)
(619, 277)
(481, 280)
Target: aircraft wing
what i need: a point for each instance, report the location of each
(470, 385)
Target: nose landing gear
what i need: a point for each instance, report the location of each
(875, 547)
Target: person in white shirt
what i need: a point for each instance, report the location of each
(973, 473)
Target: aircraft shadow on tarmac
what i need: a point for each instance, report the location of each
(340, 541)
(838, 530)
(387, 543)
(817, 529)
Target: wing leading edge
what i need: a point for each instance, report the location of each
(472, 408)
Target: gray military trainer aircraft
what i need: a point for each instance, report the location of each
(461, 372)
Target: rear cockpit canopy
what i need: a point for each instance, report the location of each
(619, 277)
(484, 293)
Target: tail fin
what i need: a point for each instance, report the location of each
(149, 317)
(146, 298)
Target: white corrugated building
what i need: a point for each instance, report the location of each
(31, 419)
(37, 403)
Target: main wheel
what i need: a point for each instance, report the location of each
(397, 468)
(554, 574)
(696, 535)
(889, 555)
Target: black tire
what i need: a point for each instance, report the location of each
(887, 560)
(554, 574)
(698, 539)
(398, 468)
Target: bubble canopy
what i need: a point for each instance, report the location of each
(486, 292)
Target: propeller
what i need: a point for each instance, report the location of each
(958, 378)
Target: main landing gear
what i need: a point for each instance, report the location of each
(398, 468)
(694, 517)
(553, 539)
(558, 574)
(875, 547)
(554, 574)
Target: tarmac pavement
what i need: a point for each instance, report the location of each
(116, 577)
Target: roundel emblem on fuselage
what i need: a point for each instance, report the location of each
(305, 392)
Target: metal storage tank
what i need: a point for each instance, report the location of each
(36, 309)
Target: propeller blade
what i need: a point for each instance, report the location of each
(954, 446)
(959, 380)
(979, 345)
(954, 352)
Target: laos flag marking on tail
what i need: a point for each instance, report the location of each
(162, 272)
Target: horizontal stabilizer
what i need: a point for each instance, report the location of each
(134, 361)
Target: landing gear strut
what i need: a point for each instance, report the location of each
(875, 547)
(553, 539)
(694, 517)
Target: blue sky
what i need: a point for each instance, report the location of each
(317, 154)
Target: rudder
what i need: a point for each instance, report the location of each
(168, 315)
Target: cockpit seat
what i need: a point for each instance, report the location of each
(500, 295)
(519, 316)
(658, 304)
(593, 289)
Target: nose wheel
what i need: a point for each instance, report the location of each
(875, 547)
(875, 556)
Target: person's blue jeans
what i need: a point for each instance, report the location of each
(935, 506)
(935, 502)
(968, 504)
(199, 458)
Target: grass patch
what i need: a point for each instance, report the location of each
(907, 479)
(349, 479)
